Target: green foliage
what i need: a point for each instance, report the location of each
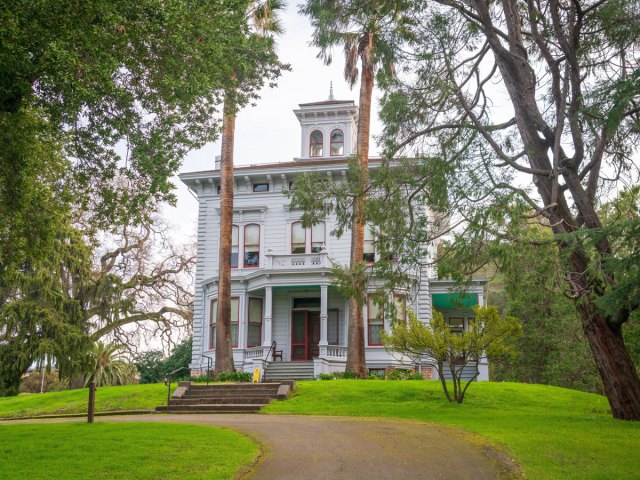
(115, 73)
(42, 381)
(107, 367)
(552, 349)
(233, 377)
(127, 397)
(399, 374)
(152, 366)
(488, 334)
(33, 451)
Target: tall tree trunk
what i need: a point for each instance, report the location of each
(224, 349)
(616, 369)
(355, 352)
(619, 377)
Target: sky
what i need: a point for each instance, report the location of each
(270, 132)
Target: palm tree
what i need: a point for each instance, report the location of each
(262, 20)
(368, 31)
(106, 366)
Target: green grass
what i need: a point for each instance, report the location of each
(128, 397)
(553, 433)
(118, 451)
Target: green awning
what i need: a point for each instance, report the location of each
(448, 301)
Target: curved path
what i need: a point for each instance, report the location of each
(317, 448)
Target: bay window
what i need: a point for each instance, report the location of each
(254, 335)
(302, 242)
(213, 319)
(375, 322)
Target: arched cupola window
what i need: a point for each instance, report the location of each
(315, 144)
(337, 143)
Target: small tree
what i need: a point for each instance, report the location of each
(489, 333)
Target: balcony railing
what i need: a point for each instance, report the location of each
(299, 261)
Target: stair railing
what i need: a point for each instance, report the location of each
(209, 363)
(271, 348)
(167, 381)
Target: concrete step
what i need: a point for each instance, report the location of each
(235, 391)
(213, 408)
(222, 400)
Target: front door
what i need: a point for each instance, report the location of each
(305, 334)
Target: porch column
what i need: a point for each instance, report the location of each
(267, 316)
(243, 309)
(323, 320)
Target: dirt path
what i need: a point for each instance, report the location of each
(318, 448)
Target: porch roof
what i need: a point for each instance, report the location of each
(448, 301)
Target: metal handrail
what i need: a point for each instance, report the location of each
(209, 361)
(167, 382)
(272, 347)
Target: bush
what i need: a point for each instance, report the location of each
(404, 375)
(232, 377)
(326, 376)
(33, 382)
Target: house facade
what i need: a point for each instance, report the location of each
(282, 293)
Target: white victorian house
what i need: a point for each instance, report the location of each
(281, 272)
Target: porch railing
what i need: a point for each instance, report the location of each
(336, 351)
(299, 261)
(256, 352)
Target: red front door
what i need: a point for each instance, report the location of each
(305, 334)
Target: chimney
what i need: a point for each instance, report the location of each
(217, 162)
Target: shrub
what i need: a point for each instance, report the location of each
(33, 382)
(232, 377)
(326, 376)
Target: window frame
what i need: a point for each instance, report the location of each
(245, 245)
(332, 143)
(212, 345)
(371, 299)
(304, 244)
(312, 143)
(372, 242)
(237, 245)
(402, 318)
(249, 299)
(324, 237)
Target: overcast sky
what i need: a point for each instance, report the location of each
(270, 132)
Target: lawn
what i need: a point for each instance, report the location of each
(118, 451)
(553, 433)
(128, 397)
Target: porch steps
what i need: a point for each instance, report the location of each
(226, 398)
(289, 371)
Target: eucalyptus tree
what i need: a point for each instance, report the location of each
(261, 25)
(368, 31)
(497, 94)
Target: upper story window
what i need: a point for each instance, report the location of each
(234, 246)
(303, 243)
(298, 238)
(337, 143)
(369, 255)
(315, 144)
(252, 245)
(317, 237)
(260, 187)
